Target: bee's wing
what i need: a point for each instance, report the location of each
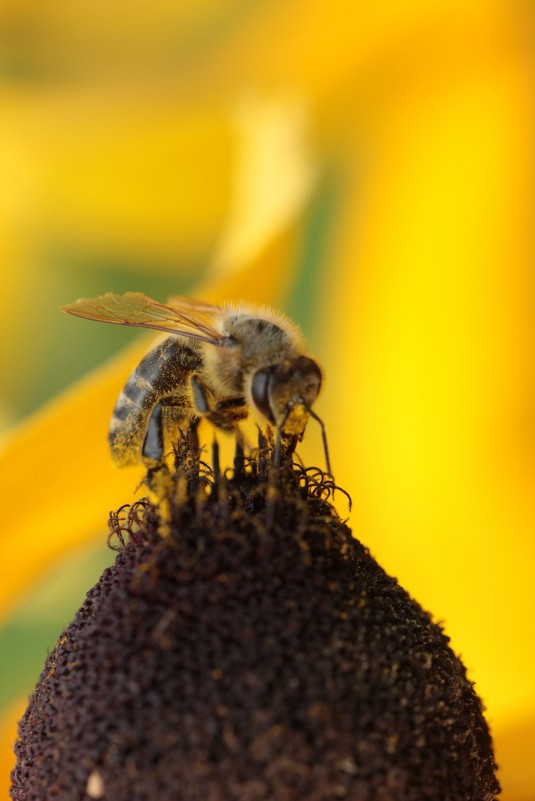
(185, 304)
(189, 320)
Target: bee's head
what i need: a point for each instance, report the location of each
(279, 389)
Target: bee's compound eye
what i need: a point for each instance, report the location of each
(260, 392)
(309, 378)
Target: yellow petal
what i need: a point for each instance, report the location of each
(213, 49)
(514, 753)
(88, 182)
(134, 179)
(56, 472)
(431, 367)
(271, 135)
(9, 718)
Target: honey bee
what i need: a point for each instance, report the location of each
(218, 363)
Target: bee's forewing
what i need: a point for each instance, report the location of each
(182, 303)
(136, 309)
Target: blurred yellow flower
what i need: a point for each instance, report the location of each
(369, 168)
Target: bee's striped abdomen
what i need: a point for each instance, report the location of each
(163, 373)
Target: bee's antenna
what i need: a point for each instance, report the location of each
(323, 437)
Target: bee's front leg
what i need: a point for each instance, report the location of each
(224, 414)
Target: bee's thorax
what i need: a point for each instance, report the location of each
(253, 344)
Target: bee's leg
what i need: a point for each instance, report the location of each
(282, 452)
(163, 434)
(200, 396)
(235, 408)
(288, 444)
(164, 430)
(178, 423)
(225, 415)
(193, 436)
(153, 447)
(158, 479)
(215, 459)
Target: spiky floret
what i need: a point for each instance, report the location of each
(255, 653)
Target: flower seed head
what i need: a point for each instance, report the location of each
(235, 659)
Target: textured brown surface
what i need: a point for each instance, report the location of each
(235, 663)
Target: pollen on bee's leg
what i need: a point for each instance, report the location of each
(158, 479)
(160, 485)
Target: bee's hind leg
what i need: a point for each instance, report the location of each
(154, 448)
(152, 451)
(164, 436)
(158, 478)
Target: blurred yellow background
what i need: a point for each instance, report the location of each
(367, 167)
